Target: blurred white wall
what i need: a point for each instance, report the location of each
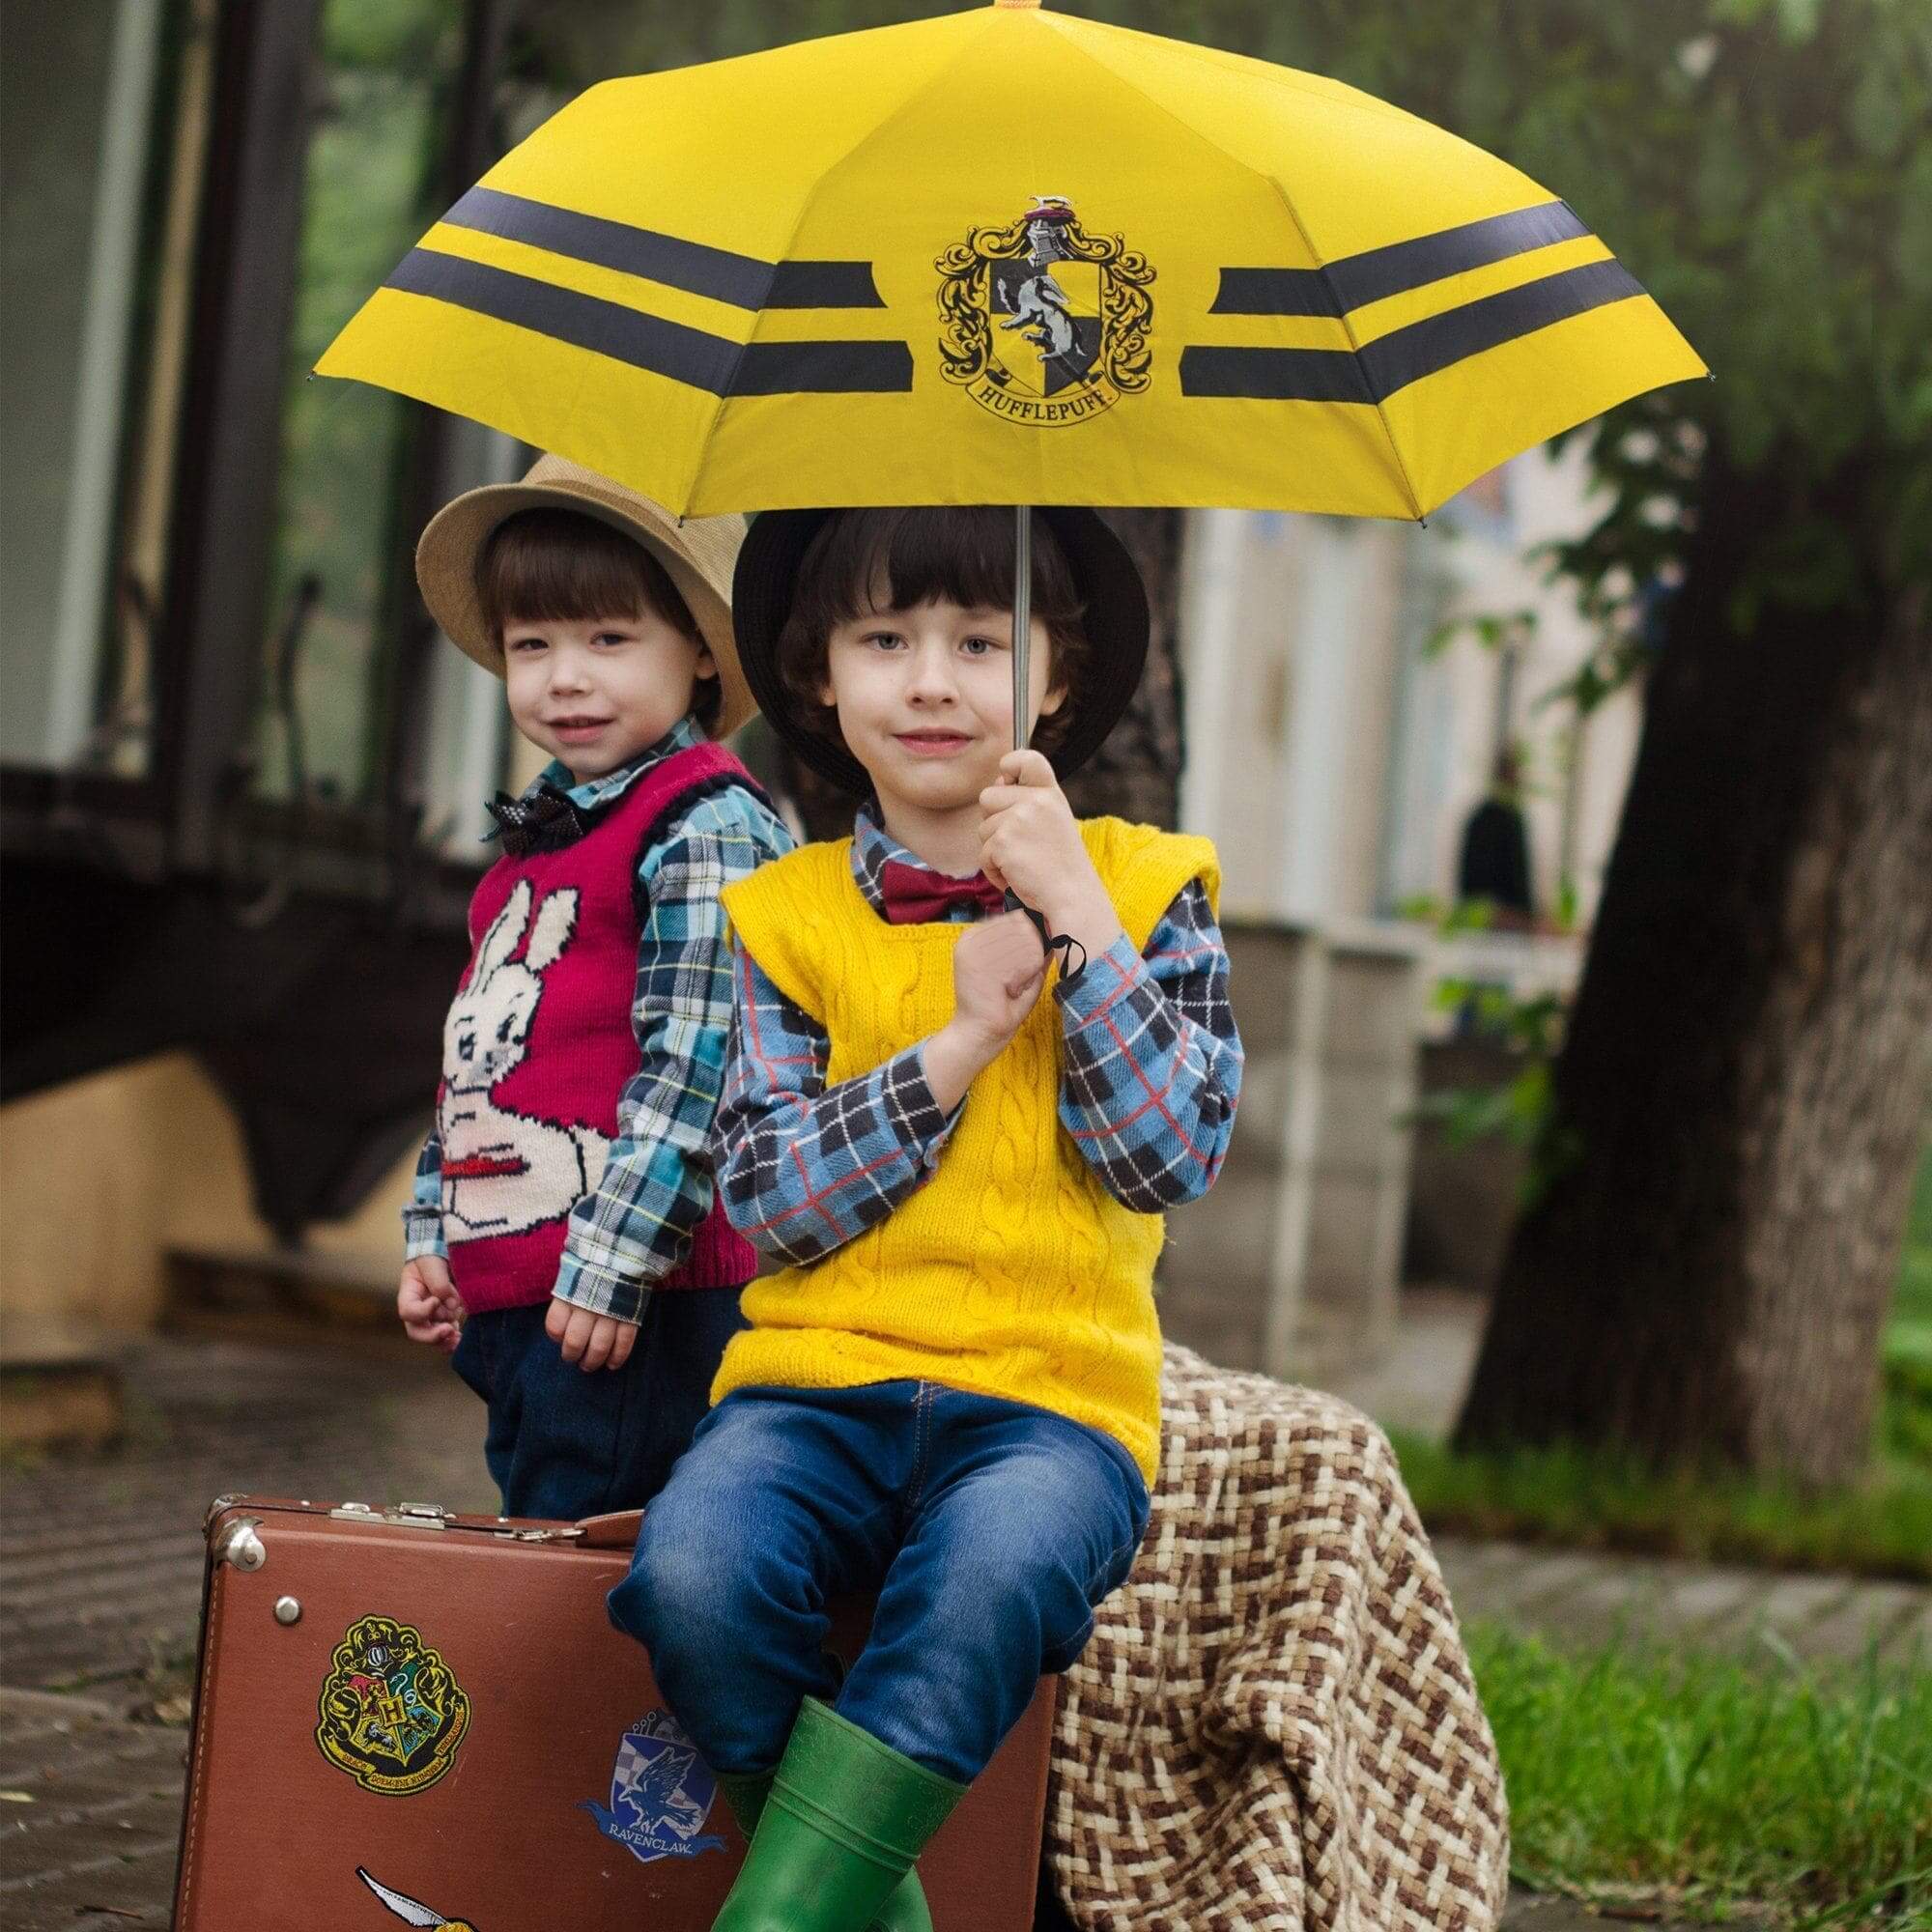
(1333, 758)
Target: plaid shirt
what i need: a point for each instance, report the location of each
(1148, 1083)
(637, 1222)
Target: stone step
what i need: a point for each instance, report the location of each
(283, 1295)
(65, 1401)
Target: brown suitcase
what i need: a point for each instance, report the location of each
(406, 1715)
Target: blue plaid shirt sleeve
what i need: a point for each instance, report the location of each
(636, 1224)
(422, 1216)
(805, 1168)
(1149, 1091)
(1153, 1072)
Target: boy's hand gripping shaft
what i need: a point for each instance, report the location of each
(1062, 942)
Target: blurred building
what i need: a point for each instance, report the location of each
(1344, 719)
(239, 778)
(241, 784)
(1351, 689)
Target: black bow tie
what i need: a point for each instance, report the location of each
(543, 822)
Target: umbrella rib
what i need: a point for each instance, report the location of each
(805, 204)
(1354, 344)
(1321, 268)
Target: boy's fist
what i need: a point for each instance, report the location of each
(997, 971)
(1028, 839)
(590, 1341)
(429, 1304)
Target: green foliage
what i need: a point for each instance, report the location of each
(1766, 171)
(1523, 1110)
(1906, 1429)
(1639, 1779)
(1493, 629)
(1599, 1498)
(1907, 1367)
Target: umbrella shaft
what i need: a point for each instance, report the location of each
(1022, 618)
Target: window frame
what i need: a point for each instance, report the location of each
(189, 814)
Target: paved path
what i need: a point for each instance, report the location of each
(1586, 1597)
(99, 1582)
(90, 1810)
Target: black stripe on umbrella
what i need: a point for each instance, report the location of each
(699, 269)
(670, 349)
(1378, 272)
(1405, 355)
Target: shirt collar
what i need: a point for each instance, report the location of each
(596, 794)
(872, 848)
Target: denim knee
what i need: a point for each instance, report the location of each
(674, 1587)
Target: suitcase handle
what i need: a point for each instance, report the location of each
(618, 1530)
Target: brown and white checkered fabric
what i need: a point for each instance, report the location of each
(1274, 1729)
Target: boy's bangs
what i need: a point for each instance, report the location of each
(863, 563)
(558, 567)
(880, 560)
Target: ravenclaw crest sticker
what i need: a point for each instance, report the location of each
(392, 1714)
(1042, 323)
(660, 1794)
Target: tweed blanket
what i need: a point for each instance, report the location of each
(1274, 1729)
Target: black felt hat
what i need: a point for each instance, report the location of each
(1115, 624)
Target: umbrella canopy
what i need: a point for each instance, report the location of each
(1012, 256)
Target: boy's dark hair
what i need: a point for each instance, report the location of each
(896, 560)
(560, 566)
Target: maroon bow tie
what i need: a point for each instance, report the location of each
(913, 896)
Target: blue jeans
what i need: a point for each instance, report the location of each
(989, 1529)
(563, 1444)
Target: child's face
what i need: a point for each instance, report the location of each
(925, 700)
(594, 692)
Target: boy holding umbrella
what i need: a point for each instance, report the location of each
(948, 1394)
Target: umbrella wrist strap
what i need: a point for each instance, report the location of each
(1062, 943)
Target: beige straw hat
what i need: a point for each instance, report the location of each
(700, 554)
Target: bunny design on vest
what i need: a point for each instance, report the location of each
(505, 1171)
(540, 1046)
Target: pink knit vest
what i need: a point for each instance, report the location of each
(538, 1047)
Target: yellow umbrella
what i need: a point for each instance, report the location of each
(1012, 255)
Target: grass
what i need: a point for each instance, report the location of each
(1648, 1783)
(1593, 1497)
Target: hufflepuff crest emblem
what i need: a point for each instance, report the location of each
(1043, 323)
(391, 1712)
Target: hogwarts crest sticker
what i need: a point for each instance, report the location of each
(1044, 324)
(392, 1714)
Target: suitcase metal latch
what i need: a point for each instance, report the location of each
(403, 1515)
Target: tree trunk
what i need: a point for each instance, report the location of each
(1745, 1074)
(1136, 774)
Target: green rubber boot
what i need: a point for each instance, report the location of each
(838, 1827)
(904, 1910)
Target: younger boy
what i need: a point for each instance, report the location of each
(950, 1394)
(564, 1221)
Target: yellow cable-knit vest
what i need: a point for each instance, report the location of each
(1013, 1271)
